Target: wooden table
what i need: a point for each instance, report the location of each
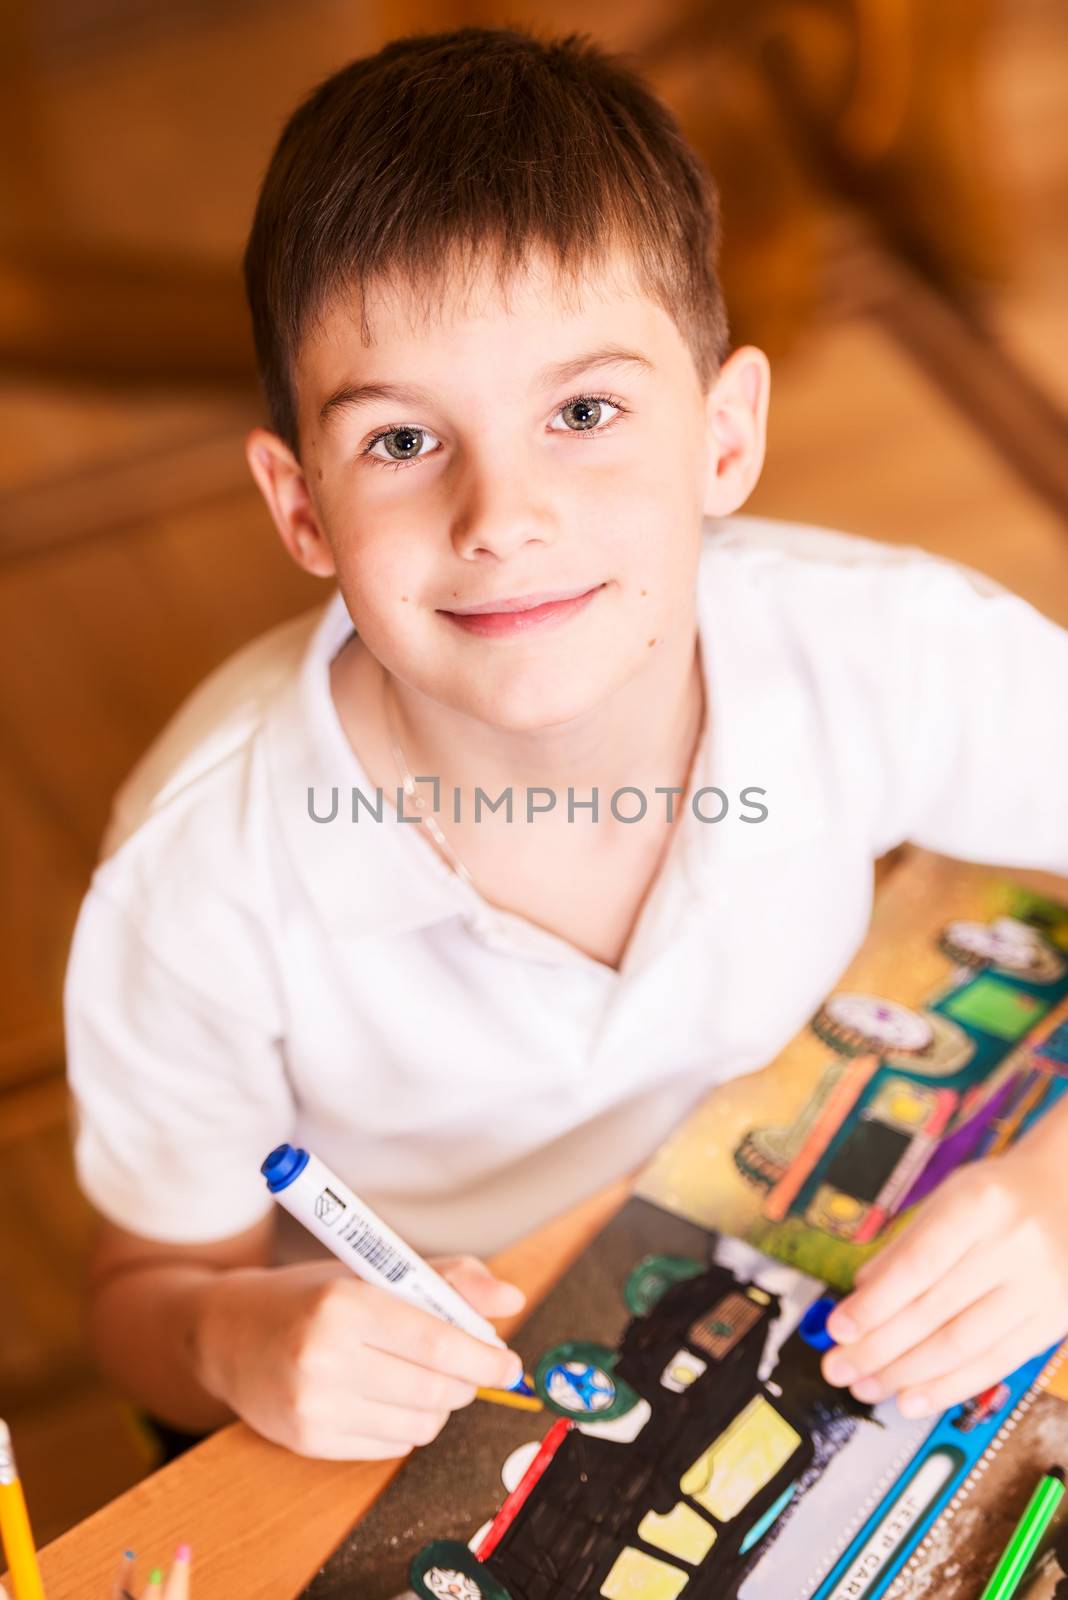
(262, 1520)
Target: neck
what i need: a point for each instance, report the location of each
(645, 735)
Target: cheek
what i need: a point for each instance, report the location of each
(382, 591)
(654, 544)
(382, 564)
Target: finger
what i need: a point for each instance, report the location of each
(389, 1378)
(1028, 1339)
(951, 1348)
(925, 1252)
(370, 1419)
(348, 1447)
(407, 1331)
(490, 1295)
(978, 1272)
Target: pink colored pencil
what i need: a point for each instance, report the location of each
(178, 1578)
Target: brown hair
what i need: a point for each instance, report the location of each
(440, 145)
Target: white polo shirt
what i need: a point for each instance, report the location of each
(241, 974)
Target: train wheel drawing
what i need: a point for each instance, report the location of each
(448, 1570)
(577, 1380)
(949, 1051)
(865, 1024)
(1006, 944)
(764, 1155)
(652, 1277)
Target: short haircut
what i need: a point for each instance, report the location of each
(451, 148)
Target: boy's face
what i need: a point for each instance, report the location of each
(501, 479)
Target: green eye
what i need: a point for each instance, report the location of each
(403, 443)
(585, 413)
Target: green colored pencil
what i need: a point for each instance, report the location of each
(1027, 1535)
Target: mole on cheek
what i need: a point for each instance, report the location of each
(645, 591)
(404, 597)
(650, 642)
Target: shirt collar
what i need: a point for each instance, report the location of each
(763, 726)
(761, 732)
(363, 876)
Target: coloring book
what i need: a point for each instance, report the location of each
(686, 1443)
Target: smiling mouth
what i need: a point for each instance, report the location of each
(500, 619)
(530, 602)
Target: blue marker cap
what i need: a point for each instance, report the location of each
(813, 1325)
(284, 1163)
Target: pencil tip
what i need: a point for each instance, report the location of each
(182, 1553)
(1056, 1472)
(155, 1576)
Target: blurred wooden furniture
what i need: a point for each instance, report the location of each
(874, 99)
(868, 107)
(135, 553)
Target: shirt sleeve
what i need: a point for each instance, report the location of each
(177, 1097)
(979, 723)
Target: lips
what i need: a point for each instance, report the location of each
(526, 614)
(528, 602)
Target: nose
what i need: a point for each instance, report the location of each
(503, 508)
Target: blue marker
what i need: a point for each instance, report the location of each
(354, 1233)
(814, 1331)
(813, 1325)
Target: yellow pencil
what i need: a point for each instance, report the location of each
(24, 1572)
(508, 1397)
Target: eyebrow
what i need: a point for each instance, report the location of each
(351, 395)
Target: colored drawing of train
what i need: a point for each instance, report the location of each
(676, 1462)
(670, 1461)
(908, 1094)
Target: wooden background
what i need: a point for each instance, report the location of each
(894, 181)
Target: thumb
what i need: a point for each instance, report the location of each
(490, 1295)
(864, 1270)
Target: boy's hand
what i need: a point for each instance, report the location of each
(973, 1287)
(332, 1367)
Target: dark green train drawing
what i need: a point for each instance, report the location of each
(670, 1461)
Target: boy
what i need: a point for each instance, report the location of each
(504, 420)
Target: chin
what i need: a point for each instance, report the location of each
(538, 699)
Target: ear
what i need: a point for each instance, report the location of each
(737, 420)
(281, 482)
